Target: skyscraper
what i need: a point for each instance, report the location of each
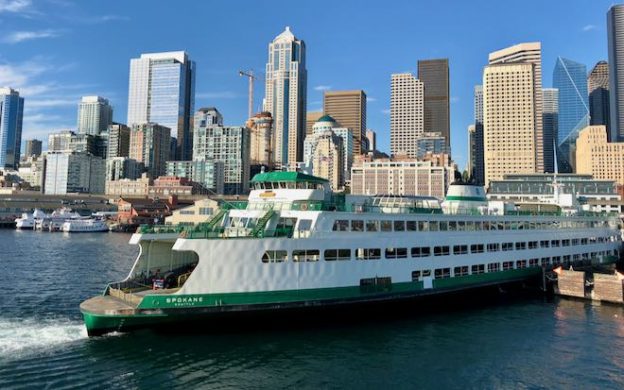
(32, 148)
(550, 118)
(162, 91)
(615, 35)
(11, 115)
(530, 53)
(406, 114)
(149, 144)
(508, 120)
(348, 108)
(598, 89)
(118, 141)
(95, 114)
(261, 134)
(435, 76)
(372, 140)
(477, 164)
(570, 78)
(285, 96)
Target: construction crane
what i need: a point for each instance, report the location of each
(250, 75)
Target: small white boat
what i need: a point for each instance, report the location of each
(86, 225)
(27, 220)
(54, 222)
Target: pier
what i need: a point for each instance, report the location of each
(590, 285)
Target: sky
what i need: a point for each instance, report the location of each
(55, 51)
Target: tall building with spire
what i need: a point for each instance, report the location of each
(570, 78)
(162, 91)
(528, 53)
(598, 89)
(285, 96)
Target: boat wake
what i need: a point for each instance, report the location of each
(23, 336)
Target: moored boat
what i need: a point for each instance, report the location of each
(84, 225)
(297, 246)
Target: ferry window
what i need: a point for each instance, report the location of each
(493, 267)
(443, 226)
(434, 226)
(584, 241)
(507, 225)
(556, 260)
(386, 226)
(396, 253)
(399, 226)
(368, 254)
(545, 260)
(493, 247)
(442, 273)
(521, 264)
(555, 243)
(460, 249)
(461, 225)
(274, 256)
(507, 246)
(337, 254)
(304, 224)
(372, 226)
(507, 265)
(486, 225)
(426, 273)
(470, 226)
(423, 226)
(423, 251)
(576, 241)
(565, 242)
(532, 244)
(357, 226)
(460, 271)
(415, 276)
(452, 226)
(533, 262)
(306, 255)
(545, 244)
(441, 251)
(411, 226)
(476, 248)
(341, 225)
(520, 245)
(478, 269)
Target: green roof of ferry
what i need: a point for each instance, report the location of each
(287, 177)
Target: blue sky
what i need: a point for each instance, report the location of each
(55, 51)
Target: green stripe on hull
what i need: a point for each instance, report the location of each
(491, 277)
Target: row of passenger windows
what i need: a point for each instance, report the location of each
(356, 225)
(311, 255)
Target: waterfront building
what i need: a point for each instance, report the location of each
(201, 211)
(208, 173)
(261, 135)
(528, 53)
(509, 139)
(229, 144)
(348, 108)
(311, 118)
(371, 136)
(73, 172)
(615, 35)
(118, 168)
(537, 186)
(32, 148)
(406, 113)
(118, 141)
(476, 164)
(95, 114)
(149, 144)
(139, 211)
(319, 148)
(285, 96)
(11, 116)
(433, 143)
(128, 187)
(598, 157)
(166, 186)
(401, 177)
(570, 78)
(598, 89)
(162, 91)
(67, 141)
(435, 76)
(550, 120)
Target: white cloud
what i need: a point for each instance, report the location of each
(218, 95)
(15, 6)
(589, 27)
(385, 111)
(21, 36)
(322, 87)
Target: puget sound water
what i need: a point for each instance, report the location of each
(532, 342)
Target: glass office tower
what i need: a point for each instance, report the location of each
(11, 115)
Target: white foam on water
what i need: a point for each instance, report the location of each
(20, 336)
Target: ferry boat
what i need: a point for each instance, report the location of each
(297, 246)
(85, 225)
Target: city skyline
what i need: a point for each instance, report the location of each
(54, 74)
